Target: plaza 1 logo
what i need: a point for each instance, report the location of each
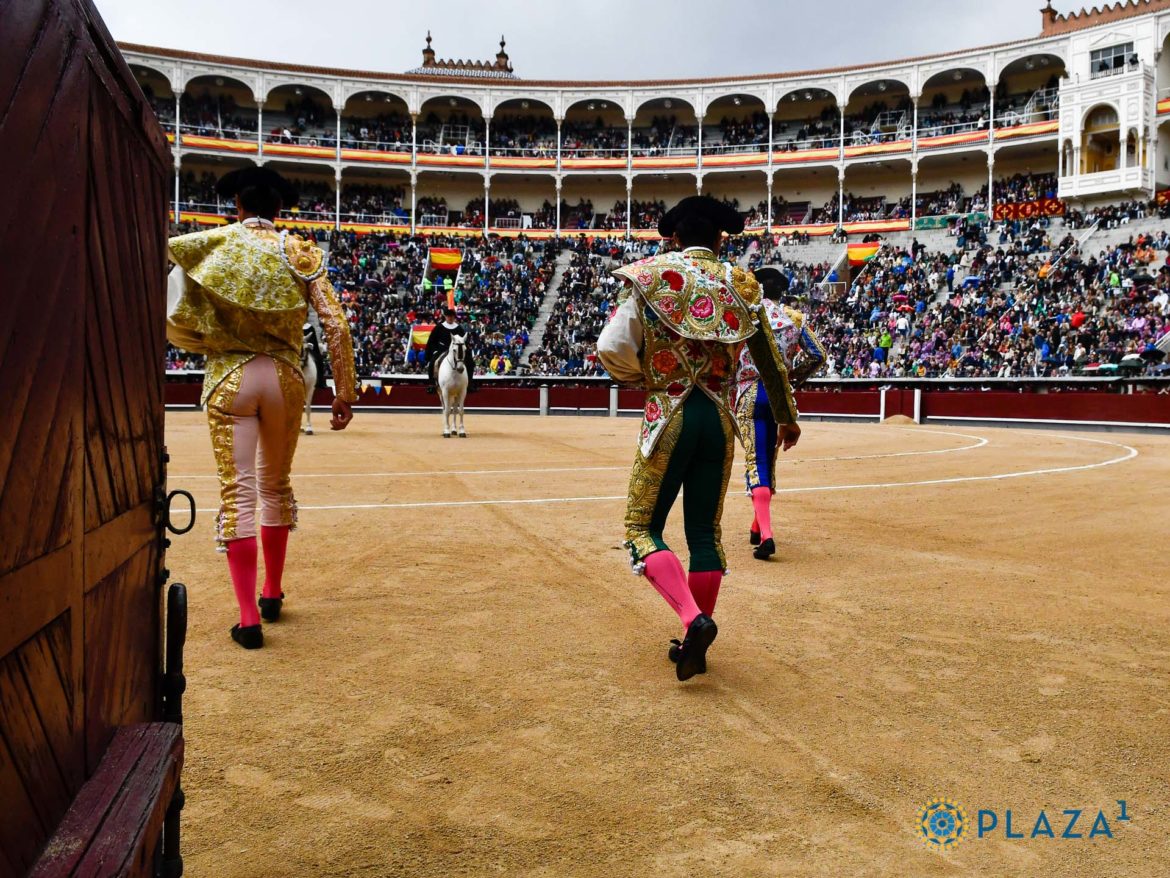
(943, 824)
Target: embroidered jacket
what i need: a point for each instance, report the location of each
(681, 323)
(802, 351)
(238, 292)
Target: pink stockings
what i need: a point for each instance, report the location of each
(689, 596)
(255, 419)
(762, 504)
(241, 558)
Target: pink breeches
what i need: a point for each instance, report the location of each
(255, 417)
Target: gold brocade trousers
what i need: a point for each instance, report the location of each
(255, 417)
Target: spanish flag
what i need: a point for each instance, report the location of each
(859, 254)
(446, 258)
(420, 334)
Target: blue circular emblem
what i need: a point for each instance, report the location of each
(943, 823)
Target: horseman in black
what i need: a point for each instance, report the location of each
(440, 342)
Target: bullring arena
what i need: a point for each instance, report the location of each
(946, 271)
(469, 681)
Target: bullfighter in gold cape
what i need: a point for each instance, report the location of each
(239, 294)
(682, 320)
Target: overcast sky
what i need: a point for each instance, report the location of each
(594, 39)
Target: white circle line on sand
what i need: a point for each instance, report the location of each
(978, 443)
(1130, 454)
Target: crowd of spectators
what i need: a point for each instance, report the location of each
(665, 136)
(1025, 308)
(213, 116)
(586, 296)
(389, 132)
(751, 131)
(1006, 301)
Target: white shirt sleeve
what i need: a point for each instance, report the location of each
(619, 346)
(176, 286)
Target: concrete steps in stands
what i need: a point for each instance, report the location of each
(536, 336)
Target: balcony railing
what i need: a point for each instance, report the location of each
(1130, 67)
(377, 145)
(733, 148)
(228, 133)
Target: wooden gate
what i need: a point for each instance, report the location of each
(82, 301)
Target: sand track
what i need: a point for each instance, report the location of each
(480, 688)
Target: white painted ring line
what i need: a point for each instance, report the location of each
(978, 443)
(1129, 455)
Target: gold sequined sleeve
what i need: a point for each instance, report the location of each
(809, 361)
(337, 338)
(770, 364)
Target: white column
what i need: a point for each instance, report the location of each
(260, 127)
(413, 201)
(178, 111)
(629, 144)
(559, 121)
(913, 193)
(487, 193)
(699, 159)
(841, 142)
(558, 223)
(629, 208)
(339, 135)
(990, 187)
(177, 173)
(841, 196)
(769, 220)
(337, 198)
(414, 140)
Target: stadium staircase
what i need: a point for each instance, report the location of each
(536, 336)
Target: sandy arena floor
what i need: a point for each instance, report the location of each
(468, 681)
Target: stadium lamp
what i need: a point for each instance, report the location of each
(737, 100)
(667, 103)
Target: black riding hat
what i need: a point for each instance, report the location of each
(722, 216)
(773, 281)
(232, 183)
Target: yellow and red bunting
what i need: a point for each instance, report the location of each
(446, 258)
(420, 334)
(859, 254)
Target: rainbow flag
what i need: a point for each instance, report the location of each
(420, 334)
(446, 258)
(859, 254)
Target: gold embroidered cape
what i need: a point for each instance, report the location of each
(246, 293)
(687, 316)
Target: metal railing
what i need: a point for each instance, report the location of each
(535, 151)
(323, 140)
(376, 145)
(228, 133)
(730, 148)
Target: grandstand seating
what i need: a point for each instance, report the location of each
(1002, 313)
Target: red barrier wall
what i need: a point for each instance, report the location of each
(1135, 408)
(1064, 405)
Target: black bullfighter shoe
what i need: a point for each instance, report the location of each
(248, 636)
(692, 654)
(270, 608)
(754, 537)
(765, 550)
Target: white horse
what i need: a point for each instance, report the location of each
(309, 371)
(452, 380)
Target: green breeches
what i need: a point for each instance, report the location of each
(694, 455)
